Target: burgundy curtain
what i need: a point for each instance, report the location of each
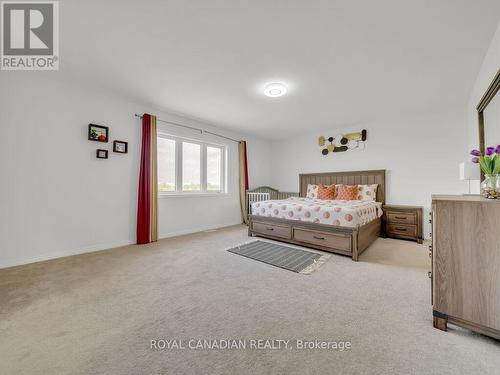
(243, 180)
(147, 207)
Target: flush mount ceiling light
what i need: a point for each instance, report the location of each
(275, 89)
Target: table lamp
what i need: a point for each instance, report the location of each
(469, 171)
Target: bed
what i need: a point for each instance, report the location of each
(346, 228)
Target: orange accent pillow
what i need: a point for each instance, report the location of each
(326, 191)
(347, 193)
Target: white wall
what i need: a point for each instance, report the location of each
(57, 199)
(420, 153)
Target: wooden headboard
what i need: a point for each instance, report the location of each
(346, 178)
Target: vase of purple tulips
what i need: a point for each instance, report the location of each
(490, 165)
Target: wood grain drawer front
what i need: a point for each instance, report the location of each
(283, 231)
(402, 217)
(337, 241)
(402, 230)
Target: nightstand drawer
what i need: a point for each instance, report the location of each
(402, 230)
(401, 217)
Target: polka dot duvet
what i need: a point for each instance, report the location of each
(332, 212)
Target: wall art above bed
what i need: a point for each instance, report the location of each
(342, 142)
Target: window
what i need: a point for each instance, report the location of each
(191, 167)
(188, 166)
(214, 166)
(166, 164)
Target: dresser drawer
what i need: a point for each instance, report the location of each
(337, 241)
(276, 230)
(402, 230)
(401, 217)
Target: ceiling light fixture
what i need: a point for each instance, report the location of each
(274, 90)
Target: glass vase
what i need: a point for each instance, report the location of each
(490, 187)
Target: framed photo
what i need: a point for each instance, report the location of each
(102, 154)
(120, 147)
(98, 133)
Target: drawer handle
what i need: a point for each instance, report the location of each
(430, 274)
(401, 217)
(269, 228)
(401, 229)
(430, 254)
(319, 238)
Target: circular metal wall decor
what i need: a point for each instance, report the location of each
(342, 142)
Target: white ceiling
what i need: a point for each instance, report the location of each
(345, 62)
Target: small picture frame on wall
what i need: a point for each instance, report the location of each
(98, 133)
(102, 154)
(120, 147)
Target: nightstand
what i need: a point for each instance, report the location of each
(404, 222)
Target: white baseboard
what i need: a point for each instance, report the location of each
(90, 249)
(62, 254)
(196, 230)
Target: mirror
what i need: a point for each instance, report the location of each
(488, 111)
(491, 116)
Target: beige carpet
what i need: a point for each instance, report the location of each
(96, 313)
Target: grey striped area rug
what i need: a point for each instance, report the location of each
(289, 258)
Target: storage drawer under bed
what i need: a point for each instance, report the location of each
(276, 230)
(338, 241)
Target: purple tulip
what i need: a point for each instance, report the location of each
(475, 159)
(475, 153)
(490, 151)
(497, 150)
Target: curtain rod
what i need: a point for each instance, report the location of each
(192, 128)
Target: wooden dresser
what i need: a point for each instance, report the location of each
(465, 254)
(404, 222)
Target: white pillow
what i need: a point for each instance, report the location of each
(312, 191)
(367, 192)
